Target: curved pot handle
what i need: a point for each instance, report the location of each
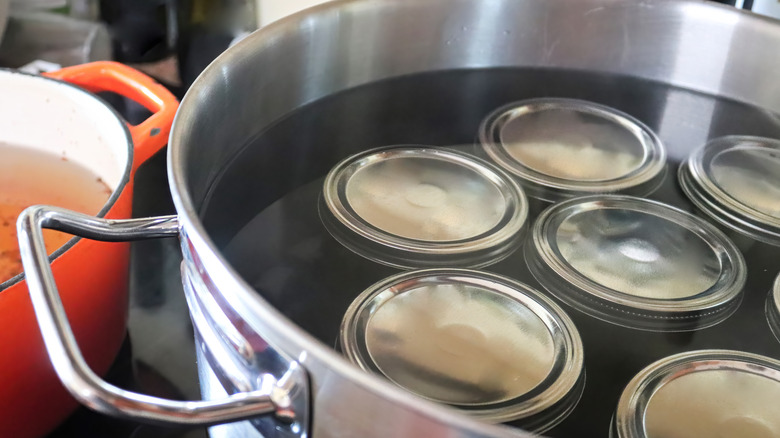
(150, 135)
(273, 397)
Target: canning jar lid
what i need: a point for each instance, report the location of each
(705, 393)
(561, 148)
(487, 345)
(419, 206)
(773, 308)
(735, 180)
(636, 263)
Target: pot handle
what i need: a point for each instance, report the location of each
(150, 135)
(273, 397)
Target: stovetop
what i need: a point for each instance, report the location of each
(158, 355)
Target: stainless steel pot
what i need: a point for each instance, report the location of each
(289, 383)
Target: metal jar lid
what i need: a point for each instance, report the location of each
(706, 393)
(636, 263)
(418, 206)
(561, 148)
(773, 308)
(735, 180)
(485, 344)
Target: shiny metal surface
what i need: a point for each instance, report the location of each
(773, 308)
(433, 332)
(715, 393)
(420, 205)
(211, 387)
(638, 254)
(735, 180)
(560, 148)
(750, 176)
(229, 364)
(620, 258)
(689, 44)
(78, 378)
(486, 344)
(425, 199)
(331, 394)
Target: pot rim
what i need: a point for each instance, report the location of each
(120, 187)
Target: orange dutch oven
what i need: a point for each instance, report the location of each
(57, 113)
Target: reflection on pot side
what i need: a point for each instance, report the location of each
(29, 177)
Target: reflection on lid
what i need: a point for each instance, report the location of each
(715, 403)
(412, 206)
(636, 263)
(773, 308)
(709, 393)
(485, 344)
(638, 254)
(460, 344)
(425, 199)
(560, 148)
(735, 180)
(750, 175)
(570, 144)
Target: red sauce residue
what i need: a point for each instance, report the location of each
(29, 177)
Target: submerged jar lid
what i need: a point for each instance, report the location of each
(561, 148)
(773, 308)
(636, 263)
(706, 393)
(418, 206)
(735, 180)
(485, 344)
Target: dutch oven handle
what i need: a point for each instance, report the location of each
(150, 135)
(272, 398)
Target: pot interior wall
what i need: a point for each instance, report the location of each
(341, 45)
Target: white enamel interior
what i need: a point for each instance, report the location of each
(53, 117)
